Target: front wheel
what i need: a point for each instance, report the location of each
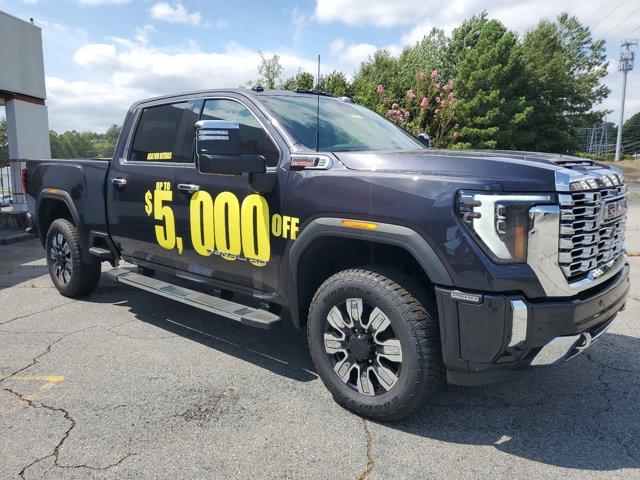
(374, 340)
(70, 274)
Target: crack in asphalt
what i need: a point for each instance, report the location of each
(55, 454)
(38, 312)
(588, 355)
(47, 350)
(370, 461)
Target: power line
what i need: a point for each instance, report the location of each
(623, 21)
(605, 4)
(608, 15)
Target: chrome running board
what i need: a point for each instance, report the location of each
(254, 317)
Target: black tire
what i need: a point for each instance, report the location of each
(71, 275)
(414, 322)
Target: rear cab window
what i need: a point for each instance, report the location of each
(159, 134)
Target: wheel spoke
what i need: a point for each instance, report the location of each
(65, 276)
(333, 344)
(385, 376)
(378, 322)
(59, 239)
(343, 369)
(354, 309)
(364, 383)
(337, 321)
(390, 349)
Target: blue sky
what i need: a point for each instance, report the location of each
(101, 55)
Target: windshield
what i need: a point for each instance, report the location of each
(344, 126)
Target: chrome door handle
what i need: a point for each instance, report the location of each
(188, 187)
(118, 181)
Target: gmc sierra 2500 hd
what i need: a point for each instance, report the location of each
(408, 266)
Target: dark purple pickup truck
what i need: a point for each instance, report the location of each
(409, 267)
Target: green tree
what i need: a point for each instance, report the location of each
(72, 144)
(4, 141)
(463, 38)
(380, 69)
(566, 67)
(269, 71)
(490, 81)
(301, 80)
(631, 126)
(105, 143)
(425, 56)
(335, 83)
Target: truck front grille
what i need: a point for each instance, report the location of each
(592, 226)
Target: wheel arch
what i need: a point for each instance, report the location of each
(53, 204)
(326, 246)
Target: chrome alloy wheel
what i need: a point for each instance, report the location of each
(61, 260)
(366, 353)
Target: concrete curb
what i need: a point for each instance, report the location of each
(18, 237)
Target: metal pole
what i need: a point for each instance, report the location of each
(626, 64)
(621, 119)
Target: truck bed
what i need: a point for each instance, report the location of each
(80, 183)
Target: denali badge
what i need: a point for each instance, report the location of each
(466, 297)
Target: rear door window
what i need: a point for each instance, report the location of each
(159, 135)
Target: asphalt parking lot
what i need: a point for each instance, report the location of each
(122, 384)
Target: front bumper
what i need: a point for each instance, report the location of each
(491, 337)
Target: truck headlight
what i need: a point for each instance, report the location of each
(499, 221)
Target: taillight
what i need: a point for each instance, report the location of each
(24, 180)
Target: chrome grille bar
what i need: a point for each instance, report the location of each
(592, 227)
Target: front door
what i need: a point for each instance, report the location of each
(140, 187)
(231, 233)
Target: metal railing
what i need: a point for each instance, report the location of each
(12, 197)
(6, 195)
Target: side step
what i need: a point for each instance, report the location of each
(235, 311)
(101, 253)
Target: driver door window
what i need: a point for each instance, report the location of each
(254, 140)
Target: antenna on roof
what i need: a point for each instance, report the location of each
(318, 108)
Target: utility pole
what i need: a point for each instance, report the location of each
(625, 65)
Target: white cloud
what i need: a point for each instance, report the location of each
(126, 70)
(222, 23)
(336, 46)
(93, 3)
(176, 13)
(298, 21)
(381, 13)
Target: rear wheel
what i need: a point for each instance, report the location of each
(375, 342)
(70, 274)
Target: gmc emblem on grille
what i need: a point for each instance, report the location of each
(614, 209)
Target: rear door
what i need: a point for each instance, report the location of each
(248, 230)
(140, 187)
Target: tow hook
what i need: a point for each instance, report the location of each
(584, 343)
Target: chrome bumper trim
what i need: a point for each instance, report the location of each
(519, 317)
(561, 349)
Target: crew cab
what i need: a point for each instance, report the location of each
(409, 267)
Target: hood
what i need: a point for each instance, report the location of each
(514, 171)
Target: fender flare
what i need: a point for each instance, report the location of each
(64, 197)
(385, 233)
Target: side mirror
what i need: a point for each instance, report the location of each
(424, 139)
(217, 150)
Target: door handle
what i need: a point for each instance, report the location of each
(188, 187)
(118, 181)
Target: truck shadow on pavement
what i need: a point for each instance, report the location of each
(282, 350)
(582, 415)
